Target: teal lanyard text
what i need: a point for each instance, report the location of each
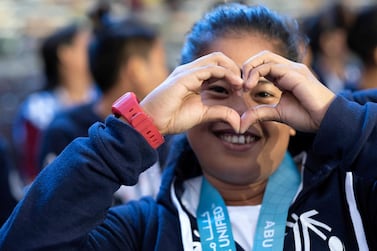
(214, 223)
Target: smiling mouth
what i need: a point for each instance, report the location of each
(239, 139)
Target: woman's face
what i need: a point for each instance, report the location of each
(225, 155)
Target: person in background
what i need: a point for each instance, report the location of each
(230, 184)
(332, 61)
(362, 40)
(7, 197)
(64, 54)
(125, 55)
(326, 53)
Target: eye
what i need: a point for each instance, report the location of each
(263, 94)
(218, 89)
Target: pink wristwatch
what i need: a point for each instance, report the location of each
(127, 106)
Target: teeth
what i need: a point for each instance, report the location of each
(238, 139)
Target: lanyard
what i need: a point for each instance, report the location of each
(213, 220)
(214, 223)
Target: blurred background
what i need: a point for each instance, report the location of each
(24, 22)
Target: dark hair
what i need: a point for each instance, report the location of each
(49, 52)
(233, 19)
(362, 38)
(112, 46)
(99, 15)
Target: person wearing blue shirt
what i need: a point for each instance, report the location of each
(230, 183)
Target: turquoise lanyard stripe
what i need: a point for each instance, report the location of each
(214, 223)
(281, 189)
(213, 220)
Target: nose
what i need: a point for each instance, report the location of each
(242, 103)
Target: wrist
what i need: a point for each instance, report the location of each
(127, 107)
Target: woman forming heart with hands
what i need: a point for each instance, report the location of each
(230, 183)
(183, 87)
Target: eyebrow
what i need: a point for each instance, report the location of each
(264, 81)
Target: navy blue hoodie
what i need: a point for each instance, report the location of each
(68, 205)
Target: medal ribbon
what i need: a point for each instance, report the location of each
(213, 220)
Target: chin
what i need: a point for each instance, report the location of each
(236, 176)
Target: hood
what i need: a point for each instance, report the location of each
(181, 164)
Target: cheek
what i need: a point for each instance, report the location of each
(194, 136)
(198, 139)
(279, 131)
(278, 138)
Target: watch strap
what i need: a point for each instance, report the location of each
(127, 106)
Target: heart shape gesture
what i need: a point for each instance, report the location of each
(176, 105)
(304, 100)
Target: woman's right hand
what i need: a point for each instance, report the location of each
(176, 104)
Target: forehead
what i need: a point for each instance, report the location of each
(242, 47)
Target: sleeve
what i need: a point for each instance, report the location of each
(72, 195)
(303, 141)
(348, 134)
(361, 96)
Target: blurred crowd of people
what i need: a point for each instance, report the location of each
(87, 67)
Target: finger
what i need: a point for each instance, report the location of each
(215, 58)
(297, 79)
(222, 113)
(288, 111)
(285, 76)
(198, 75)
(275, 73)
(261, 58)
